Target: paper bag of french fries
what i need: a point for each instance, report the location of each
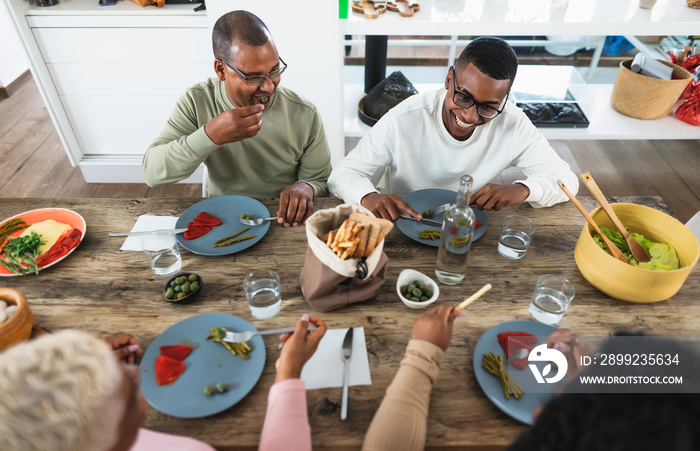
(345, 261)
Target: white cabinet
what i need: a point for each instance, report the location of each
(111, 75)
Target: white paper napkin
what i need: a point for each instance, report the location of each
(144, 224)
(325, 368)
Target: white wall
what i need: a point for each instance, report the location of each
(13, 61)
(307, 36)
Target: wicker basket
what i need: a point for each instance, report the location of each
(694, 3)
(645, 97)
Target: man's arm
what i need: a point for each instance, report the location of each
(543, 167)
(190, 136)
(350, 178)
(179, 149)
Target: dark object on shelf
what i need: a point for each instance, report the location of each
(361, 113)
(386, 95)
(375, 60)
(46, 2)
(107, 2)
(555, 114)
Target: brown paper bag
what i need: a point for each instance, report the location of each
(328, 282)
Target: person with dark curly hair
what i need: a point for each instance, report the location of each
(431, 139)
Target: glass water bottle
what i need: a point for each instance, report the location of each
(456, 237)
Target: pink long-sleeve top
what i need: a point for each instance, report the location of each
(287, 419)
(148, 440)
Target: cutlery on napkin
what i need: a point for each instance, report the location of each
(325, 368)
(148, 232)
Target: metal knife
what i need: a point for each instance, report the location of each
(148, 232)
(346, 353)
(429, 222)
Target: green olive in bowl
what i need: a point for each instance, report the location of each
(183, 288)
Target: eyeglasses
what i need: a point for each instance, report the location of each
(466, 101)
(255, 80)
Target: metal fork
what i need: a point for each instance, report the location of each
(258, 221)
(240, 337)
(441, 208)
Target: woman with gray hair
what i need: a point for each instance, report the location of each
(69, 392)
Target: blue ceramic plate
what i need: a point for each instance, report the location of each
(523, 408)
(229, 209)
(425, 199)
(208, 364)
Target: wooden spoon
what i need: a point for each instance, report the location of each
(638, 252)
(614, 250)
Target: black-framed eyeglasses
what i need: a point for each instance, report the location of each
(466, 101)
(255, 80)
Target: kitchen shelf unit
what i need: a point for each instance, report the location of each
(542, 17)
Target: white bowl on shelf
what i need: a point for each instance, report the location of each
(409, 275)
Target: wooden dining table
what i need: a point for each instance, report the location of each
(104, 290)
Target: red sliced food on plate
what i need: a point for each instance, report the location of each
(168, 369)
(177, 352)
(478, 224)
(60, 248)
(195, 231)
(205, 219)
(517, 346)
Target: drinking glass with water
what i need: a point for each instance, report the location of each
(552, 296)
(163, 253)
(516, 234)
(262, 288)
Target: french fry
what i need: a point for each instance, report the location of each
(357, 236)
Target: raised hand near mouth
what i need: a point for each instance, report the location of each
(235, 125)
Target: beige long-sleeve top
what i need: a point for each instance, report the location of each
(401, 420)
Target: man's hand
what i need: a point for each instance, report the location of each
(435, 326)
(495, 197)
(235, 125)
(297, 348)
(296, 204)
(125, 346)
(388, 206)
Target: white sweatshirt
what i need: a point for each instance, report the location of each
(411, 141)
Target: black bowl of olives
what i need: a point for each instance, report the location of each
(183, 288)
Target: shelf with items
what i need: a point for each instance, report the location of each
(541, 17)
(553, 82)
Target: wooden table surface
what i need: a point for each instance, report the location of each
(104, 290)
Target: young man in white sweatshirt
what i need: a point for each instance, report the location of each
(430, 139)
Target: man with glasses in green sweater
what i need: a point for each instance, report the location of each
(256, 139)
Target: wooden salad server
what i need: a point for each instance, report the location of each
(614, 250)
(369, 8)
(638, 252)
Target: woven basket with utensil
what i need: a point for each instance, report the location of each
(644, 97)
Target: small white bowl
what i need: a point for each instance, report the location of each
(409, 275)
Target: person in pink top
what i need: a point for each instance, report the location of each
(72, 391)
(286, 420)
